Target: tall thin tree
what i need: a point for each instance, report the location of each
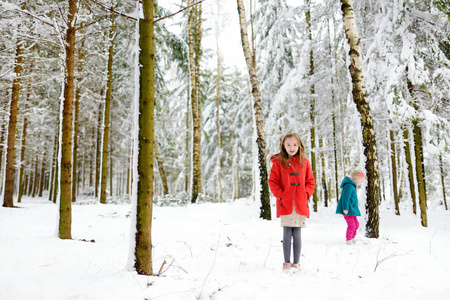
(261, 140)
(373, 192)
(65, 195)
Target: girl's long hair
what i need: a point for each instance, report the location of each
(283, 155)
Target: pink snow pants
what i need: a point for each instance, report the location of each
(352, 226)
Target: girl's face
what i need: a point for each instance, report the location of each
(291, 146)
(359, 180)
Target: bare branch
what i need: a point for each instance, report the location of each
(109, 8)
(198, 2)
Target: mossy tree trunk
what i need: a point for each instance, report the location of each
(106, 118)
(143, 238)
(261, 141)
(65, 195)
(373, 192)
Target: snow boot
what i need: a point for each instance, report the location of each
(296, 266)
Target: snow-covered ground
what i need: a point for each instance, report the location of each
(219, 251)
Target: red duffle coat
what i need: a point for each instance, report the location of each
(292, 185)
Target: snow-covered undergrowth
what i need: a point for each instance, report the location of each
(219, 251)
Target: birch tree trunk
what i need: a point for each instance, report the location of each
(11, 150)
(143, 238)
(265, 200)
(195, 106)
(65, 196)
(107, 115)
(359, 97)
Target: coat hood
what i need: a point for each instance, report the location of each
(347, 180)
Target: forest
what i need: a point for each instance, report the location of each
(365, 85)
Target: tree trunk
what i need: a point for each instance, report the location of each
(42, 177)
(265, 197)
(196, 125)
(11, 150)
(368, 132)
(186, 175)
(54, 176)
(418, 152)
(75, 123)
(412, 187)
(23, 147)
(441, 166)
(36, 173)
(219, 139)
(85, 151)
(162, 174)
(394, 171)
(65, 197)
(143, 238)
(198, 53)
(312, 110)
(324, 180)
(106, 118)
(98, 149)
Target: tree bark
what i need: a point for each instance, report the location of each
(312, 111)
(65, 197)
(98, 150)
(195, 106)
(219, 138)
(394, 171)
(418, 152)
(11, 150)
(408, 159)
(261, 142)
(36, 173)
(373, 192)
(75, 122)
(42, 177)
(107, 115)
(23, 147)
(162, 174)
(143, 249)
(324, 178)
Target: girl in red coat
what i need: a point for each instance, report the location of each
(292, 183)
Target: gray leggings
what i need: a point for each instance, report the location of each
(288, 234)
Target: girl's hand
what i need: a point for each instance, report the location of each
(345, 211)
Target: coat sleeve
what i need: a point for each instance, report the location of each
(310, 182)
(275, 180)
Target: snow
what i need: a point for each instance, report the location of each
(219, 251)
